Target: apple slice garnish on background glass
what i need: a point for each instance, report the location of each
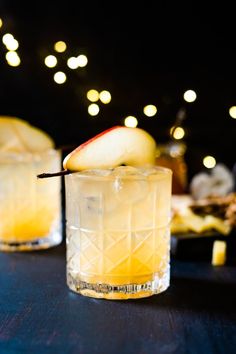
(113, 147)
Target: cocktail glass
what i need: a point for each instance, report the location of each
(118, 231)
(30, 208)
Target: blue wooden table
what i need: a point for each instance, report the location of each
(38, 313)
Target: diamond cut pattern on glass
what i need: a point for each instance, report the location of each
(111, 253)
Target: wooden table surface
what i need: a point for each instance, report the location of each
(38, 313)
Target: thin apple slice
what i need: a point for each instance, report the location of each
(16, 135)
(113, 147)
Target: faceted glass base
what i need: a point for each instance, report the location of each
(51, 240)
(119, 292)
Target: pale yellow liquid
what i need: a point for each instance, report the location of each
(118, 229)
(127, 258)
(29, 207)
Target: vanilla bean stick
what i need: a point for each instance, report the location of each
(55, 174)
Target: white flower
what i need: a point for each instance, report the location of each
(219, 183)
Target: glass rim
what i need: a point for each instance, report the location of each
(161, 172)
(21, 156)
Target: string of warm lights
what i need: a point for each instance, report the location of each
(11, 44)
(94, 96)
(72, 63)
(177, 132)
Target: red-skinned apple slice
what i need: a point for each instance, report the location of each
(113, 147)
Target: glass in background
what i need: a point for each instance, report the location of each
(30, 208)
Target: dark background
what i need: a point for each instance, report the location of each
(144, 53)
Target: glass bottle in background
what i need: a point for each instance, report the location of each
(171, 155)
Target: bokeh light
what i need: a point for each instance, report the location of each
(131, 122)
(12, 44)
(209, 161)
(50, 61)
(82, 60)
(7, 38)
(105, 96)
(177, 132)
(59, 77)
(73, 63)
(1, 23)
(150, 110)
(232, 112)
(93, 109)
(13, 58)
(60, 46)
(190, 96)
(93, 95)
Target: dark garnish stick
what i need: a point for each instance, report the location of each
(55, 174)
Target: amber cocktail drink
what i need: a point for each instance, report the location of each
(30, 208)
(118, 231)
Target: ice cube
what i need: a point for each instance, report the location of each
(97, 172)
(130, 190)
(122, 171)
